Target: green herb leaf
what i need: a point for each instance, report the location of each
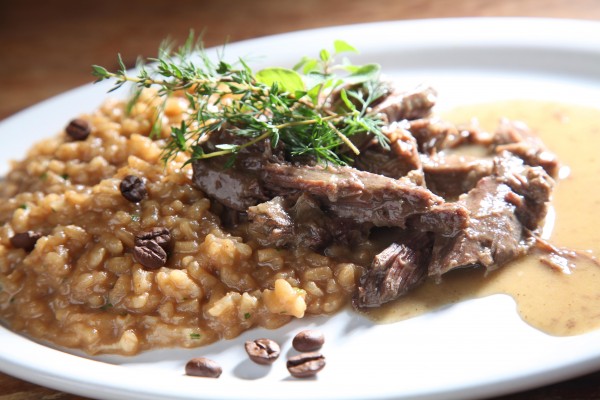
(363, 74)
(341, 46)
(195, 336)
(347, 102)
(247, 315)
(288, 80)
(100, 72)
(310, 66)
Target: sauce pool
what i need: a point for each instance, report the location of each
(548, 299)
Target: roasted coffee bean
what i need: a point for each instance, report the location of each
(308, 340)
(78, 129)
(25, 240)
(203, 367)
(160, 235)
(306, 365)
(133, 188)
(263, 351)
(150, 254)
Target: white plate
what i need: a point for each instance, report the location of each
(474, 349)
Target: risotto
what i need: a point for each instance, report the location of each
(80, 284)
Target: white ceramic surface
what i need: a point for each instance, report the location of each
(474, 349)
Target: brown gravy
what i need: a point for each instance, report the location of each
(552, 301)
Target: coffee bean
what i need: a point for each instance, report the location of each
(133, 188)
(25, 240)
(203, 367)
(306, 365)
(160, 235)
(78, 129)
(263, 351)
(308, 340)
(150, 254)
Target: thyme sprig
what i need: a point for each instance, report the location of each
(312, 109)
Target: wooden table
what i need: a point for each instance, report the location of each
(48, 47)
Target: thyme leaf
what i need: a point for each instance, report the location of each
(313, 109)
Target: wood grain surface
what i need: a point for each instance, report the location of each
(47, 47)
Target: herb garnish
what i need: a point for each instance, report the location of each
(195, 336)
(313, 109)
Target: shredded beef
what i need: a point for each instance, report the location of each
(234, 188)
(499, 230)
(394, 271)
(361, 196)
(399, 104)
(397, 161)
(455, 197)
(450, 176)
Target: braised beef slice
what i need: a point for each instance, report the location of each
(498, 229)
(234, 188)
(451, 175)
(347, 193)
(397, 161)
(433, 135)
(446, 219)
(532, 188)
(301, 224)
(394, 271)
(516, 138)
(270, 223)
(399, 105)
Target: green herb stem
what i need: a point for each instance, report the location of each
(277, 104)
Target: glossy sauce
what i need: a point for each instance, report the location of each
(552, 301)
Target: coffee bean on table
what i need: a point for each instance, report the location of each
(25, 240)
(203, 367)
(263, 351)
(133, 188)
(78, 129)
(306, 365)
(308, 340)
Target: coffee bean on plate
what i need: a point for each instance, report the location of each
(308, 340)
(203, 367)
(133, 188)
(263, 351)
(78, 129)
(160, 235)
(25, 240)
(152, 247)
(150, 254)
(306, 365)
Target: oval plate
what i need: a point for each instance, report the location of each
(474, 349)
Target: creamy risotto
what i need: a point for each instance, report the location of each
(80, 284)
